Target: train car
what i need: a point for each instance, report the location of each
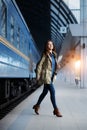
(18, 53)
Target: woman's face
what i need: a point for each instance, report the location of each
(49, 46)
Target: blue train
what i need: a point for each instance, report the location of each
(18, 53)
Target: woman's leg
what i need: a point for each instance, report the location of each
(43, 94)
(52, 95)
(53, 100)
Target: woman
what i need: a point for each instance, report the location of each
(45, 73)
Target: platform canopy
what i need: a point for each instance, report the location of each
(47, 19)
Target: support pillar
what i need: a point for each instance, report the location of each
(83, 22)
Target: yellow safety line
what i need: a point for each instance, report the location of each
(6, 43)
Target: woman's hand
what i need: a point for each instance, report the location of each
(37, 79)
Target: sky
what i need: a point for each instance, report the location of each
(72, 5)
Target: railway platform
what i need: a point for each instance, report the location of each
(72, 103)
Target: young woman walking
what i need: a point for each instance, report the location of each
(45, 73)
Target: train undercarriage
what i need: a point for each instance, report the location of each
(13, 91)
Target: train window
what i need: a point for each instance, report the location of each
(1, 2)
(3, 18)
(12, 29)
(27, 47)
(22, 42)
(18, 38)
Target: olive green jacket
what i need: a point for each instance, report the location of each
(44, 69)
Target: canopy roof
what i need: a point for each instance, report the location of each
(45, 19)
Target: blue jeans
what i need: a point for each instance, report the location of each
(47, 87)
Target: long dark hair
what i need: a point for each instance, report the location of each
(45, 47)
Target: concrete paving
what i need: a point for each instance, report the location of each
(71, 101)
